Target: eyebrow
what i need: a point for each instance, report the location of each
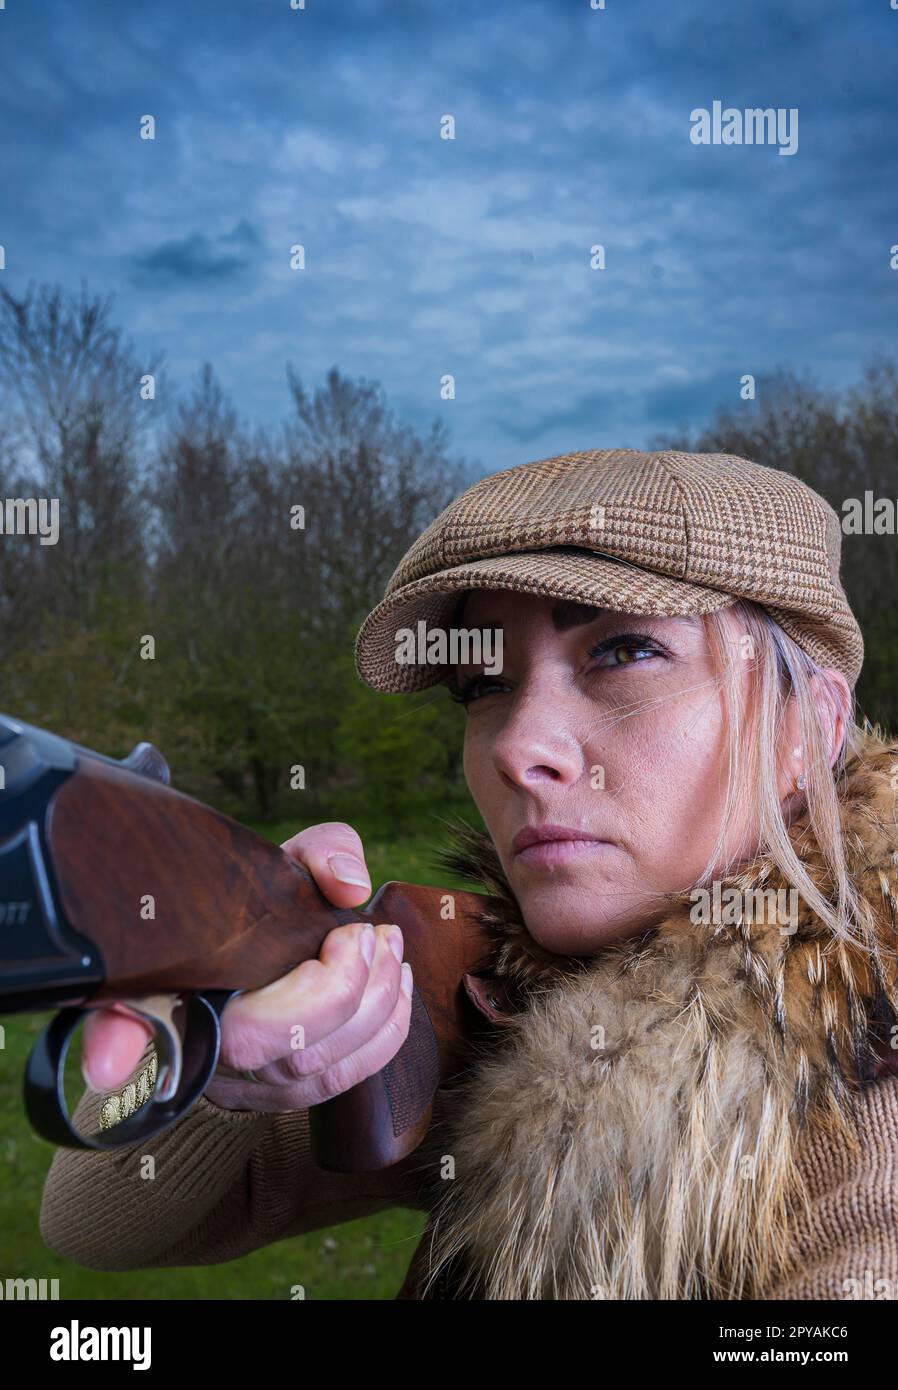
(569, 614)
(565, 614)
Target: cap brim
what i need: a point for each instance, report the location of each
(581, 576)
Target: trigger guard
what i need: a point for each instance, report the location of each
(45, 1102)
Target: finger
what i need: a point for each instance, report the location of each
(112, 1044)
(333, 854)
(376, 1006)
(303, 1006)
(371, 1058)
(373, 1055)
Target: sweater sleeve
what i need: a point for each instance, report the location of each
(846, 1239)
(216, 1185)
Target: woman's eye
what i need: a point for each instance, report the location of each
(623, 653)
(473, 689)
(624, 649)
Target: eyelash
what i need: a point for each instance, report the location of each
(627, 641)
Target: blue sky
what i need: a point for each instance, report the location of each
(471, 257)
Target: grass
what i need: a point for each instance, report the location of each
(364, 1259)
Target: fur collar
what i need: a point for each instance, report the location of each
(632, 1129)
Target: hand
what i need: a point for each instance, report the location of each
(351, 1013)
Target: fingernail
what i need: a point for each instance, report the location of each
(407, 982)
(368, 943)
(348, 869)
(395, 940)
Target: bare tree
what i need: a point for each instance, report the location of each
(70, 395)
(369, 486)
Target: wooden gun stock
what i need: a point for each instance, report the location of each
(175, 898)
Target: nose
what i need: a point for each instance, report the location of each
(536, 742)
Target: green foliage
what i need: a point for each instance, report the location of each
(401, 752)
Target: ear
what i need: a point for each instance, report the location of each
(833, 722)
(791, 763)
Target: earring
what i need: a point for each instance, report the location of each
(800, 780)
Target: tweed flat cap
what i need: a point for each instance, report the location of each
(659, 533)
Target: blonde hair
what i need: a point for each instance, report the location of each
(781, 671)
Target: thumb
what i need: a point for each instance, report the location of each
(112, 1044)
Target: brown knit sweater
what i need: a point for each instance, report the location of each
(228, 1182)
(225, 1183)
(849, 1239)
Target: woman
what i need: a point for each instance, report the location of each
(686, 1092)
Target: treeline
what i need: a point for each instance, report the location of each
(245, 560)
(248, 559)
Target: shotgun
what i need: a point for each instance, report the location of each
(115, 886)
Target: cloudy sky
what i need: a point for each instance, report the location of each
(427, 257)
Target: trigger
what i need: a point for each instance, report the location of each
(158, 1009)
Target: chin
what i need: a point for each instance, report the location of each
(556, 919)
(573, 939)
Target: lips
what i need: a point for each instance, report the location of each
(547, 834)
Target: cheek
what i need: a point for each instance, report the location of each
(476, 764)
(490, 793)
(667, 767)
